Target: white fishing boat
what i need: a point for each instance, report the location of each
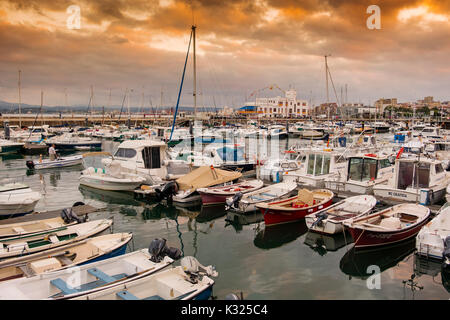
(112, 179)
(247, 202)
(273, 169)
(57, 163)
(219, 194)
(23, 245)
(87, 278)
(362, 173)
(7, 146)
(318, 166)
(415, 179)
(330, 220)
(76, 253)
(430, 241)
(69, 141)
(148, 159)
(190, 281)
(17, 198)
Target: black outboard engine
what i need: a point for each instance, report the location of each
(69, 216)
(159, 249)
(320, 216)
(167, 192)
(234, 202)
(446, 253)
(30, 164)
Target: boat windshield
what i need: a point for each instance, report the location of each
(231, 154)
(362, 169)
(318, 164)
(125, 153)
(411, 175)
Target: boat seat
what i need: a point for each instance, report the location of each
(257, 198)
(125, 295)
(62, 285)
(18, 230)
(101, 275)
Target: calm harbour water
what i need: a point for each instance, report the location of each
(280, 262)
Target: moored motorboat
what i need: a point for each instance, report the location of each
(92, 277)
(330, 220)
(70, 255)
(190, 281)
(57, 163)
(219, 194)
(431, 239)
(297, 207)
(113, 179)
(17, 199)
(388, 226)
(23, 245)
(248, 201)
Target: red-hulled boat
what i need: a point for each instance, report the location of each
(219, 194)
(295, 208)
(388, 226)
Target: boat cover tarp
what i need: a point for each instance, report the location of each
(206, 176)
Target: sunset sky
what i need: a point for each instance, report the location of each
(242, 46)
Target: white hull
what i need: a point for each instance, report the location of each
(63, 162)
(17, 208)
(97, 183)
(18, 201)
(407, 195)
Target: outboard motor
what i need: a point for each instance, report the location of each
(320, 216)
(234, 202)
(167, 192)
(446, 253)
(69, 216)
(30, 164)
(194, 269)
(159, 249)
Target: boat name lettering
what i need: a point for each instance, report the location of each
(396, 194)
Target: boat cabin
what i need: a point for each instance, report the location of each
(411, 173)
(368, 167)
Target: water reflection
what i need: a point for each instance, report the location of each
(445, 276)
(237, 220)
(355, 262)
(110, 197)
(278, 235)
(209, 213)
(322, 243)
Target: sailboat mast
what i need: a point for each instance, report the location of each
(195, 74)
(20, 103)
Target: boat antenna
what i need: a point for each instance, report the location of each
(20, 103)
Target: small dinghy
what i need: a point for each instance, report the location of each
(295, 208)
(330, 220)
(219, 194)
(190, 281)
(112, 180)
(388, 226)
(57, 163)
(17, 199)
(41, 227)
(77, 253)
(247, 202)
(92, 277)
(22, 245)
(430, 242)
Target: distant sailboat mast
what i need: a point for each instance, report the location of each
(20, 103)
(195, 73)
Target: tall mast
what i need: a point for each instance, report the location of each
(326, 79)
(20, 103)
(195, 74)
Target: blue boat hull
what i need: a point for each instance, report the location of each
(204, 295)
(117, 252)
